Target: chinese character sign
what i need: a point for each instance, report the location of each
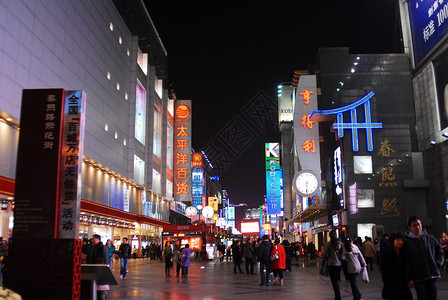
(306, 132)
(38, 156)
(182, 150)
(71, 163)
(429, 25)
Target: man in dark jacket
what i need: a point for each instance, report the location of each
(125, 253)
(249, 256)
(99, 252)
(237, 256)
(425, 260)
(264, 254)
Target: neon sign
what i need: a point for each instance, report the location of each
(354, 125)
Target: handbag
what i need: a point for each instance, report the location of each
(365, 275)
(324, 268)
(274, 256)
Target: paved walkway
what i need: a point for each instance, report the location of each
(146, 280)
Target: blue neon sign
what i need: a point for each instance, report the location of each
(429, 25)
(273, 191)
(197, 186)
(354, 125)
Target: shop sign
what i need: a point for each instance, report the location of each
(182, 150)
(208, 212)
(274, 186)
(306, 133)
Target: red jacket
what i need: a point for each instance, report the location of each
(280, 263)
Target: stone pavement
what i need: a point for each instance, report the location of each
(146, 280)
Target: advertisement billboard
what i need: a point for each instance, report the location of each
(274, 185)
(250, 227)
(429, 25)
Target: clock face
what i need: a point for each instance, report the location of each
(306, 183)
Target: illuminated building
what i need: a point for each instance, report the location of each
(371, 178)
(424, 34)
(111, 50)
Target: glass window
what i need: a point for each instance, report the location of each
(365, 198)
(157, 138)
(169, 190)
(139, 170)
(169, 147)
(156, 182)
(365, 230)
(158, 86)
(140, 113)
(142, 60)
(362, 164)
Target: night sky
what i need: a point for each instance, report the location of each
(222, 53)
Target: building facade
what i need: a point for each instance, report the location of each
(112, 51)
(425, 40)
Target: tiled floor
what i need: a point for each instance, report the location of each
(146, 280)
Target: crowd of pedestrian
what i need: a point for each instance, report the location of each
(412, 260)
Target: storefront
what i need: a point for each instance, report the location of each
(115, 224)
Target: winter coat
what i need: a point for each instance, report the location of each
(110, 251)
(186, 257)
(264, 251)
(369, 249)
(167, 253)
(425, 256)
(248, 250)
(99, 254)
(124, 251)
(355, 260)
(237, 253)
(280, 263)
(332, 254)
(393, 269)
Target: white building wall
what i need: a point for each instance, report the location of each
(69, 44)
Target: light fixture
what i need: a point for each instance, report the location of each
(355, 63)
(280, 86)
(358, 58)
(433, 142)
(352, 70)
(445, 134)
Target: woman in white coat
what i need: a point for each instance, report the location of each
(355, 264)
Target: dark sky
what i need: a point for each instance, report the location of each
(221, 53)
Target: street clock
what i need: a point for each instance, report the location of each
(306, 183)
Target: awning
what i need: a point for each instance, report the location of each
(312, 213)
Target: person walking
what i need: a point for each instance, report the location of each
(237, 256)
(179, 262)
(355, 263)
(370, 252)
(110, 252)
(312, 250)
(279, 264)
(289, 254)
(168, 256)
(99, 256)
(425, 258)
(444, 243)
(124, 251)
(393, 270)
(331, 253)
(264, 253)
(249, 254)
(185, 260)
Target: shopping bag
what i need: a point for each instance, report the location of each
(365, 275)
